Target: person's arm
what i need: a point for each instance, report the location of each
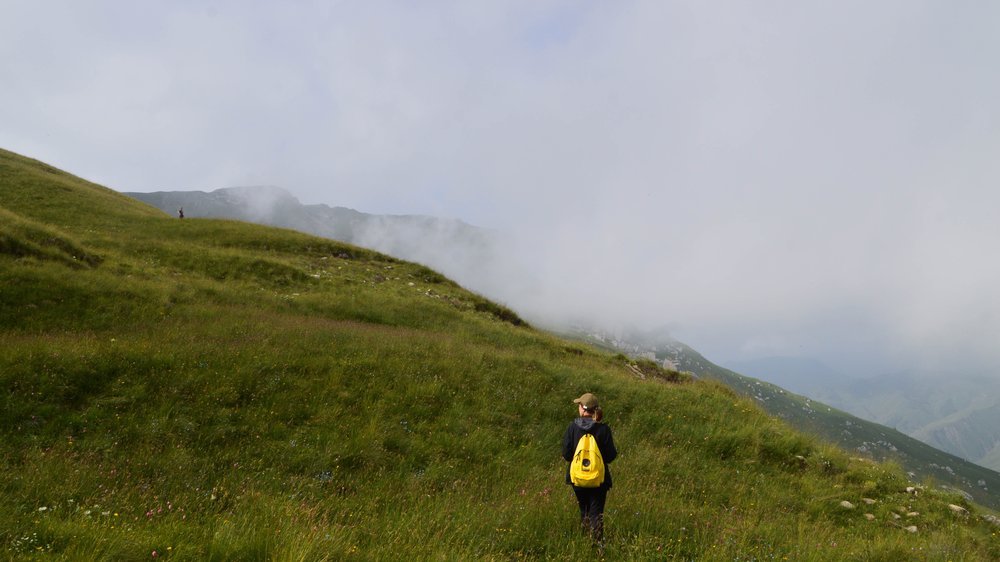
(568, 447)
(608, 450)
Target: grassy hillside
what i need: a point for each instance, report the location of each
(871, 440)
(213, 390)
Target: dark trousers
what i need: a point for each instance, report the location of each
(591, 502)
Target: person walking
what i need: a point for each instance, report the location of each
(590, 500)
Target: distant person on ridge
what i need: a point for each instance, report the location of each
(180, 213)
(591, 491)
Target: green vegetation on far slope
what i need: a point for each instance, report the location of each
(213, 390)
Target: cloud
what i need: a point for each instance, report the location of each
(761, 177)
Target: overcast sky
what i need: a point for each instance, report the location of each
(765, 178)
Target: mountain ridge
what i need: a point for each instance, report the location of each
(953, 413)
(473, 257)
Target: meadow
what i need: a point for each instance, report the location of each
(214, 390)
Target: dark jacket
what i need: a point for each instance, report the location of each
(601, 433)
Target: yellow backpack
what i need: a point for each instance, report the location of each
(587, 468)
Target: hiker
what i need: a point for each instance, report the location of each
(592, 497)
(180, 213)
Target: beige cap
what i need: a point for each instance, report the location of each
(588, 401)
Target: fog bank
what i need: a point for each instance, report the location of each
(765, 179)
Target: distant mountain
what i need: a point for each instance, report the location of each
(910, 401)
(973, 433)
(957, 414)
(469, 254)
(850, 432)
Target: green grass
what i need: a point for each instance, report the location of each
(212, 390)
(866, 438)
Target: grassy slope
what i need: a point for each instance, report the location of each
(855, 434)
(216, 390)
(923, 462)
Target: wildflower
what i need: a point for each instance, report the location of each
(156, 554)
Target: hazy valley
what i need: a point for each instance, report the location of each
(954, 412)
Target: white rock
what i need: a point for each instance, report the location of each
(911, 528)
(846, 505)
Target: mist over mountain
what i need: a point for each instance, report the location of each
(817, 181)
(802, 375)
(478, 258)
